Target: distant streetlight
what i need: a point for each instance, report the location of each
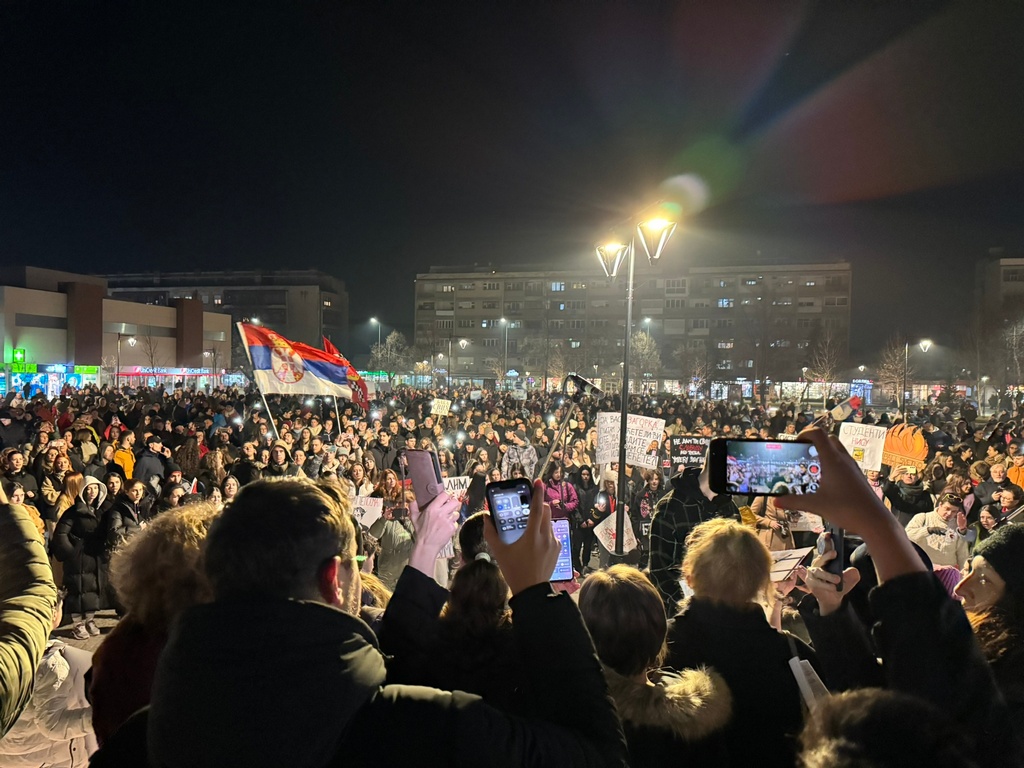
(375, 321)
(504, 362)
(925, 345)
(862, 368)
(132, 341)
(647, 322)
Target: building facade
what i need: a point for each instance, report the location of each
(302, 305)
(748, 323)
(61, 328)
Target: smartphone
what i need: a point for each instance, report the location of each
(833, 538)
(762, 467)
(509, 502)
(425, 473)
(563, 568)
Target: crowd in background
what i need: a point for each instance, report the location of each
(122, 488)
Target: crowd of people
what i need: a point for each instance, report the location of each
(228, 533)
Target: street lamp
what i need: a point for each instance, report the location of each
(132, 341)
(925, 345)
(375, 321)
(647, 322)
(862, 368)
(981, 395)
(504, 362)
(653, 235)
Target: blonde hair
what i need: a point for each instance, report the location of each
(73, 482)
(158, 572)
(727, 563)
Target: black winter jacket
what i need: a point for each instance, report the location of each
(907, 500)
(308, 689)
(79, 542)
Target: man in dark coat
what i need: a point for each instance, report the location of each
(281, 464)
(689, 503)
(281, 560)
(153, 460)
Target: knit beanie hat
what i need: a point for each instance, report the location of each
(1004, 550)
(949, 575)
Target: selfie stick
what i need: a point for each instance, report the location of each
(583, 387)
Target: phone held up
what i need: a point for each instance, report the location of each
(509, 502)
(762, 467)
(833, 538)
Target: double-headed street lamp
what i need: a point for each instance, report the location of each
(925, 345)
(132, 341)
(653, 234)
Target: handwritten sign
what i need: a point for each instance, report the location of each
(457, 486)
(604, 532)
(865, 443)
(643, 438)
(367, 510)
(688, 451)
(440, 407)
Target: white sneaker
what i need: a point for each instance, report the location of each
(80, 632)
(93, 630)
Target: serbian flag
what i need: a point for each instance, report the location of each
(286, 367)
(360, 394)
(845, 409)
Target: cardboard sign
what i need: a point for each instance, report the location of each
(786, 436)
(905, 446)
(519, 393)
(476, 394)
(688, 451)
(805, 521)
(643, 439)
(440, 407)
(367, 510)
(865, 443)
(784, 561)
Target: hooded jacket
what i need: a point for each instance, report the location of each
(908, 500)
(79, 542)
(288, 469)
(307, 689)
(677, 721)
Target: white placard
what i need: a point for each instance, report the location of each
(864, 442)
(476, 394)
(457, 486)
(643, 439)
(367, 510)
(604, 532)
(785, 560)
(440, 407)
(786, 436)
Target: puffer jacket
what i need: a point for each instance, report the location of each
(79, 542)
(27, 597)
(56, 727)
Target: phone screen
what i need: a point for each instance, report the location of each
(563, 568)
(509, 502)
(765, 467)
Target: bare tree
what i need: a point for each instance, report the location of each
(825, 362)
(151, 348)
(695, 366)
(391, 356)
(423, 368)
(892, 367)
(108, 364)
(496, 367)
(644, 357)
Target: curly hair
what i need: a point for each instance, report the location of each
(158, 572)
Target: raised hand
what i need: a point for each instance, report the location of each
(531, 559)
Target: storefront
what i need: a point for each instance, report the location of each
(47, 378)
(170, 378)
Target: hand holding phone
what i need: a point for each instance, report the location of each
(832, 540)
(435, 525)
(425, 473)
(531, 558)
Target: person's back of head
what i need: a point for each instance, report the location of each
(626, 617)
(285, 539)
(874, 728)
(478, 599)
(726, 562)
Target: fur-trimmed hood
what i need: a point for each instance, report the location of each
(692, 704)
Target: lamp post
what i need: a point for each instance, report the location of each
(653, 235)
(647, 326)
(981, 395)
(504, 361)
(925, 345)
(463, 343)
(132, 341)
(375, 321)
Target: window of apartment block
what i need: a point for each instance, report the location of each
(675, 285)
(515, 286)
(837, 301)
(726, 303)
(513, 306)
(577, 324)
(701, 303)
(726, 344)
(675, 303)
(447, 288)
(467, 286)
(699, 323)
(835, 281)
(467, 323)
(579, 286)
(443, 324)
(492, 286)
(723, 365)
(467, 305)
(575, 344)
(557, 286)
(490, 342)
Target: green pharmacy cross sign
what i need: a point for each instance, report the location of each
(18, 355)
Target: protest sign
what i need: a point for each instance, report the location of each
(864, 442)
(786, 436)
(688, 451)
(440, 407)
(643, 438)
(476, 394)
(905, 446)
(784, 561)
(805, 521)
(519, 393)
(456, 486)
(605, 533)
(367, 510)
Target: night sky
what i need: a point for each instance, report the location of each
(374, 139)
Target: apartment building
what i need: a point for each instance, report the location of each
(742, 322)
(302, 305)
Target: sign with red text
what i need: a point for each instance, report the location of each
(643, 439)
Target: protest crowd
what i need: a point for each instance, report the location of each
(283, 600)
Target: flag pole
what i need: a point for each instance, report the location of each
(245, 346)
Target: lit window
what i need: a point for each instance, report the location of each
(558, 286)
(327, 302)
(725, 303)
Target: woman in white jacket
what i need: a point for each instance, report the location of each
(55, 729)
